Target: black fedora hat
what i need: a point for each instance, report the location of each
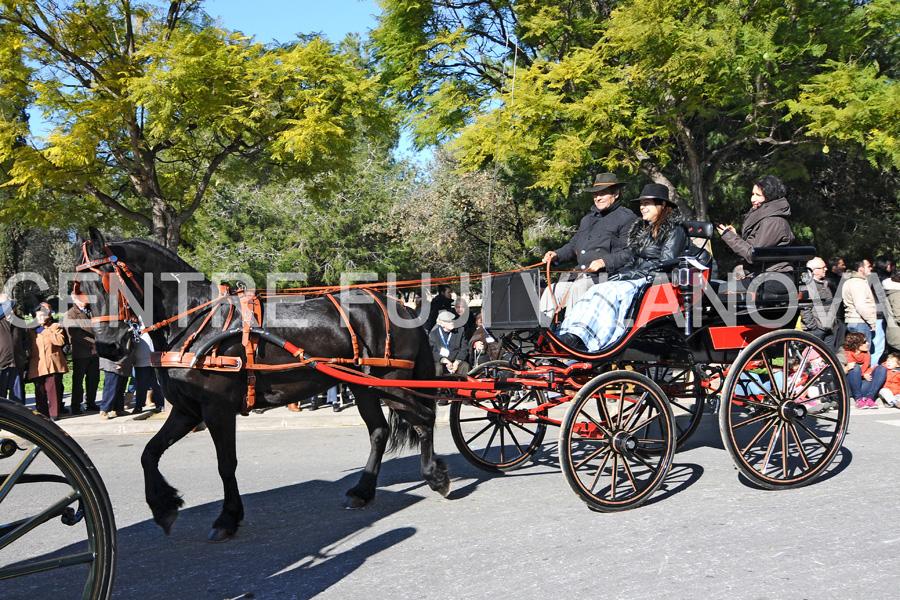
(656, 191)
(604, 181)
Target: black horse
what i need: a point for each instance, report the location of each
(215, 398)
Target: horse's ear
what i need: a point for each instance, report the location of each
(97, 237)
(79, 240)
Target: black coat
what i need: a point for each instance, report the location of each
(457, 345)
(601, 234)
(671, 242)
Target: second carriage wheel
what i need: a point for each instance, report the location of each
(49, 482)
(500, 433)
(785, 409)
(617, 441)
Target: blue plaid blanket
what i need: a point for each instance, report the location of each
(598, 318)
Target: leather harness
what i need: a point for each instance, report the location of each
(249, 302)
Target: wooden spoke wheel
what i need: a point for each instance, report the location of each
(617, 441)
(47, 481)
(784, 431)
(502, 433)
(681, 383)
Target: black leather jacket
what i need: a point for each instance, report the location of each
(646, 251)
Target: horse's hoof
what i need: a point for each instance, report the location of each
(219, 535)
(168, 521)
(444, 490)
(354, 502)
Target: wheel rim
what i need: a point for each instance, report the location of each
(774, 426)
(617, 441)
(48, 482)
(498, 434)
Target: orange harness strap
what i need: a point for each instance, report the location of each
(251, 312)
(349, 327)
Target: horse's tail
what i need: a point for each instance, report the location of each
(402, 433)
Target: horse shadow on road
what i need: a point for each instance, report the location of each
(296, 541)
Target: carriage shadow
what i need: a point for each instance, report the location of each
(838, 465)
(296, 542)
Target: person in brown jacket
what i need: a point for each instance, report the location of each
(48, 362)
(765, 225)
(85, 362)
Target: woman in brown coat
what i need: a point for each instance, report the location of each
(48, 362)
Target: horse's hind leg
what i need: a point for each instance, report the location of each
(163, 499)
(412, 421)
(434, 469)
(370, 410)
(221, 424)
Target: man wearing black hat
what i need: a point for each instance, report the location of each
(598, 245)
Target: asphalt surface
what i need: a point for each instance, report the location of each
(707, 533)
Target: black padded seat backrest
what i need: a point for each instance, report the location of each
(772, 254)
(699, 229)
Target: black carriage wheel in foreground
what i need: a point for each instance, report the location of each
(682, 385)
(784, 432)
(497, 434)
(47, 480)
(617, 441)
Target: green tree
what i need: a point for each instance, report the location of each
(857, 100)
(675, 90)
(285, 225)
(146, 104)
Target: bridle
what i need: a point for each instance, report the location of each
(124, 275)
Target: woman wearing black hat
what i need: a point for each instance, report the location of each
(597, 320)
(765, 225)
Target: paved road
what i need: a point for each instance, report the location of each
(708, 534)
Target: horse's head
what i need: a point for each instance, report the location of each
(108, 288)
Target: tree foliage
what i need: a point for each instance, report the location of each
(672, 89)
(145, 104)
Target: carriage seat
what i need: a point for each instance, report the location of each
(797, 255)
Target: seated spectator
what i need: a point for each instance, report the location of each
(461, 307)
(864, 380)
(448, 346)
(483, 347)
(890, 392)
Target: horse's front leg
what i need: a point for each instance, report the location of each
(163, 499)
(221, 422)
(370, 410)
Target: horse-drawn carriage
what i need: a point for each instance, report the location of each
(692, 343)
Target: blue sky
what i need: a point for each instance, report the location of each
(282, 20)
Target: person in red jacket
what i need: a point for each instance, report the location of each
(890, 391)
(865, 381)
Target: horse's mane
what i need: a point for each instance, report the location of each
(146, 246)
